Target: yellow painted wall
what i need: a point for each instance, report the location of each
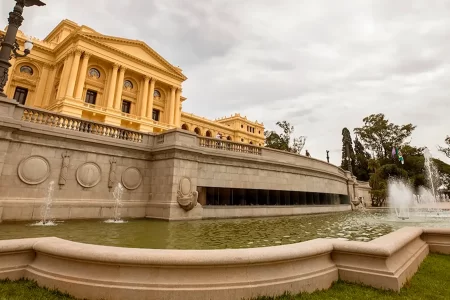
(62, 74)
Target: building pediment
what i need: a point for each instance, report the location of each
(137, 49)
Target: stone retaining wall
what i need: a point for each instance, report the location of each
(86, 160)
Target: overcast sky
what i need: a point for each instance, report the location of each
(320, 65)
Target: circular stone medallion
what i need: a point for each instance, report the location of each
(88, 174)
(131, 178)
(185, 186)
(34, 170)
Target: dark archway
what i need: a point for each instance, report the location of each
(229, 138)
(198, 131)
(184, 127)
(208, 134)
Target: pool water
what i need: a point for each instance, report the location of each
(221, 234)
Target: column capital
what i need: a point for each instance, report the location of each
(146, 78)
(78, 52)
(87, 55)
(116, 66)
(123, 69)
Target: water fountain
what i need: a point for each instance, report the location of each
(401, 197)
(117, 194)
(46, 208)
(425, 204)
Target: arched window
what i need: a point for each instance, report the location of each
(251, 143)
(128, 85)
(228, 138)
(156, 94)
(208, 134)
(27, 70)
(185, 127)
(93, 72)
(197, 131)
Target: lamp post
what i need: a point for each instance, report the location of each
(328, 157)
(9, 43)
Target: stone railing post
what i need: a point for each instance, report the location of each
(9, 108)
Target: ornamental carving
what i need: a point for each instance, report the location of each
(88, 174)
(131, 178)
(186, 198)
(15, 18)
(112, 172)
(64, 168)
(34, 170)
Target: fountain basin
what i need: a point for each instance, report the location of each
(223, 234)
(92, 271)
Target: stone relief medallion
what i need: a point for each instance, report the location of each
(34, 170)
(89, 174)
(186, 198)
(131, 178)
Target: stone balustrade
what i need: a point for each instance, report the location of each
(44, 117)
(228, 146)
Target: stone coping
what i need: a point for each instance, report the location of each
(94, 272)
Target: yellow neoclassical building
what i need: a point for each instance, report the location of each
(81, 73)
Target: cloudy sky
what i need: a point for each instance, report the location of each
(320, 65)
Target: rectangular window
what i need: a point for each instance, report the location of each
(126, 106)
(91, 97)
(155, 115)
(20, 95)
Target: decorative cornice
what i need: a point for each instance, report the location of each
(147, 48)
(146, 63)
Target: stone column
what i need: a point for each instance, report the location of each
(119, 89)
(112, 86)
(144, 98)
(172, 105)
(40, 89)
(64, 76)
(82, 77)
(177, 107)
(150, 99)
(73, 74)
(49, 86)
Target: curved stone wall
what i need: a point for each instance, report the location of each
(86, 163)
(95, 272)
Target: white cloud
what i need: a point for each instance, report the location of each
(321, 65)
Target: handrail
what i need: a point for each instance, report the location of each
(44, 117)
(228, 146)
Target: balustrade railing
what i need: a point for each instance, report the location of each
(70, 123)
(228, 146)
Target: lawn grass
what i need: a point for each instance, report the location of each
(432, 281)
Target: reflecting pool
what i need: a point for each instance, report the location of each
(220, 234)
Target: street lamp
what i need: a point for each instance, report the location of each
(9, 43)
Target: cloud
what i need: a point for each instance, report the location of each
(320, 65)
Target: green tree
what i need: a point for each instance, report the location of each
(379, 182)
(347, 151)
(282, 141)
(446, 150)
(379, 135)
(362, 157)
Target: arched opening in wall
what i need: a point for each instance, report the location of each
(24, 81)
(184, 127)
(208, 134)
(198, 131)
(229, 138)
(251, 143)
